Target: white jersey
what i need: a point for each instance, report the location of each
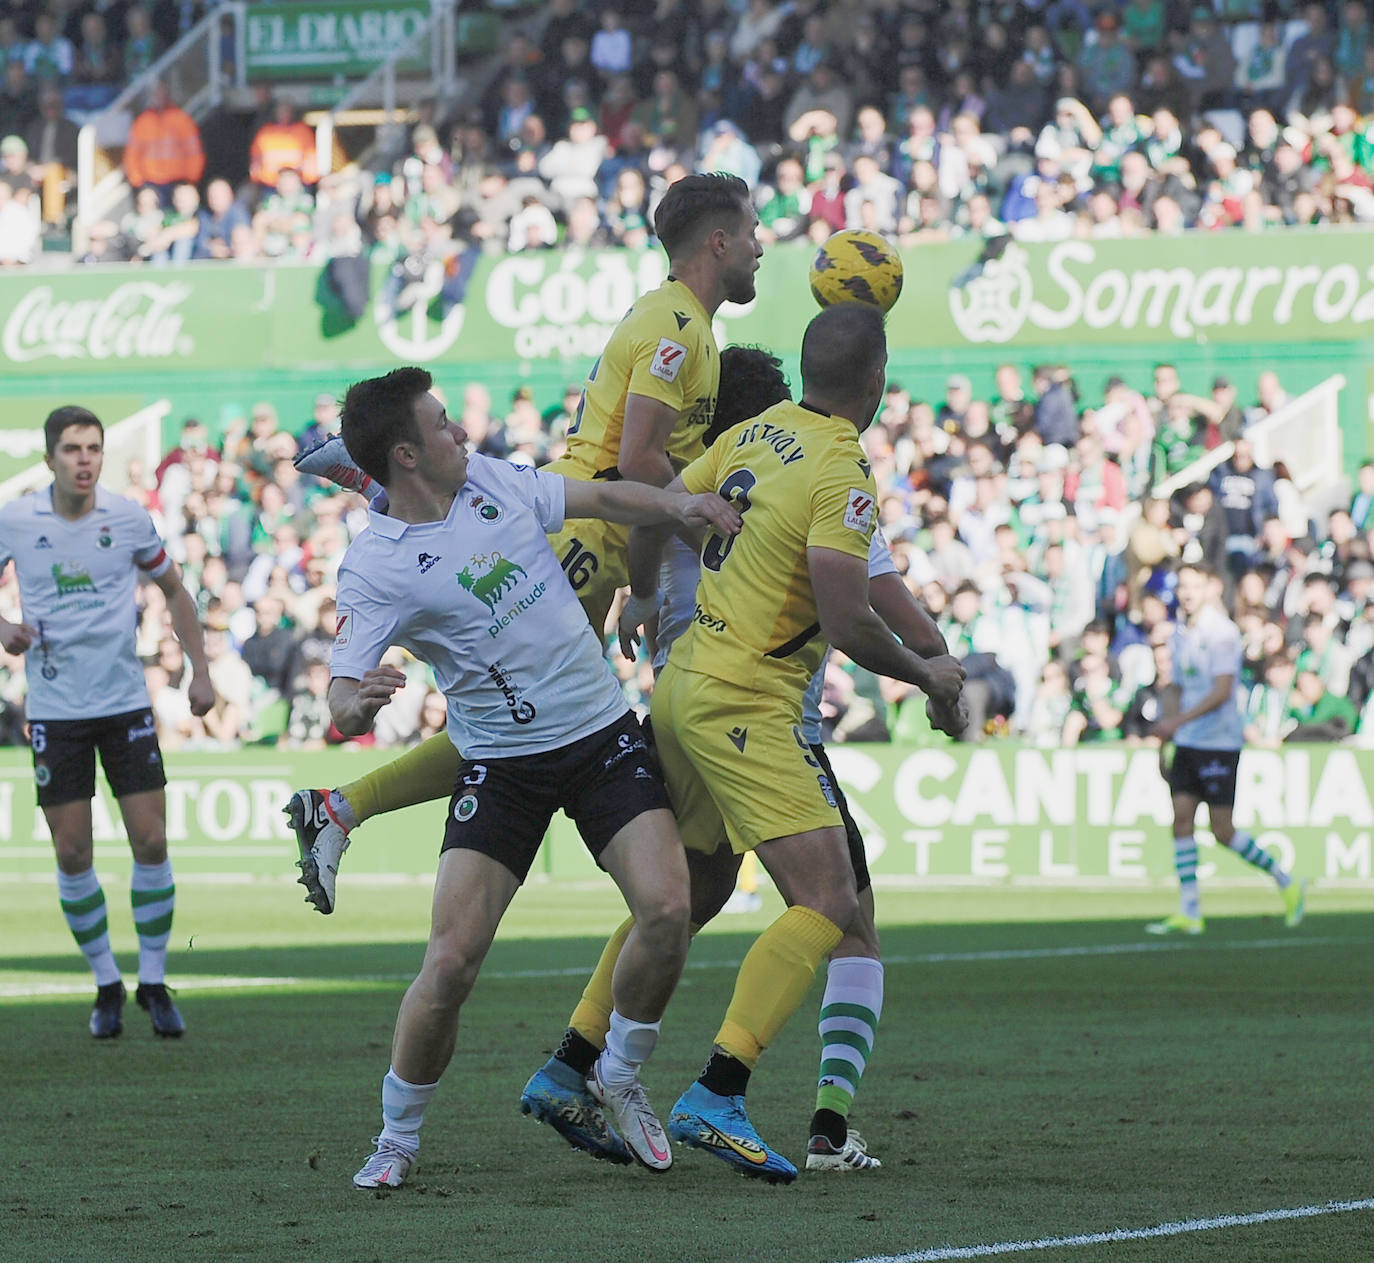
(481, 598)
(677, 581)
(77, 585)
(1211, 647)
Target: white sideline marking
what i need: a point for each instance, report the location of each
(35, 990)
(1174, 1229)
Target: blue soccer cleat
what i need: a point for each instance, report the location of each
(556, 1094)
(720, 1125)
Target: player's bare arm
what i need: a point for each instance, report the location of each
(186, 623)
(849, 623)
(1222, 688)
(642, 505)
(912, 624)
(353, 704)
(644, 438)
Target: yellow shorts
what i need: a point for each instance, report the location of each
(736, 763)
(595, 557)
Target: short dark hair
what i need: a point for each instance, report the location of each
(842, 346)
(696, 205)
(378, 413)
(751, 382)
(63, 418)
(1204, 568)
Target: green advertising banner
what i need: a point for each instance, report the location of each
(1093, 816)
(350, 38)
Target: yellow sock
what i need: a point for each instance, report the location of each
(418, 776)
(774, 980)
(592, 1017)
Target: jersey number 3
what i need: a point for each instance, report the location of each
(736, 489)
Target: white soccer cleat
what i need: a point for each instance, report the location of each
(853, 1155)
(330, 460)
(322, 842)
(387, 1168)
(629, 1112)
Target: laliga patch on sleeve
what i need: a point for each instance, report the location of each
(858, 510)
(343, 629)
(668, 359)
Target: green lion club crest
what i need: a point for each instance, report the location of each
(71, 579)
(489, 578)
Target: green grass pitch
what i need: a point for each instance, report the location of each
(1043, 1070)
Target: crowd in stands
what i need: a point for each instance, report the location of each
(920, 119)
(1028, 522)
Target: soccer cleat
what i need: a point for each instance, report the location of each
(1295, 902)
(720, 1125)
(853, 1155)
(322, 842)
(556, 1094)
(107, 1017)
(330, 460)
(1177, 924)
(387, 1168)
(152, 997)
(629, 1112)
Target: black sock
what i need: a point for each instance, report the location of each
(831, 1125)
(725, 1075)
(578, 1052)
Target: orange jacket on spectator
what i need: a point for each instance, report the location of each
(164, 148)
(279, 146)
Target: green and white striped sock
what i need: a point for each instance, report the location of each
(83, 904)
(153, 895)
(850, 1010)
(1252, 853)
(1185, 865)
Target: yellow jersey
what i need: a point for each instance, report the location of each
(800, 480)
(664, 349)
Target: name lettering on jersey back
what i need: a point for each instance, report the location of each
(784, 442)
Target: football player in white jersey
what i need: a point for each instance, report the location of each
(1207, 732)
(459, 572)
(79, 551)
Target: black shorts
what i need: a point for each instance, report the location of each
(64, 756)
(502, 807)
(855, 839)
(1207, 775)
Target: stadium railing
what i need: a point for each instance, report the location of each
(1305, 433)
(193, 70)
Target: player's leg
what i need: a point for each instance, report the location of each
(1186, 795)
(1293, 890)
(64, 772)
(323, 819)
(850, 1010)
(471, 893)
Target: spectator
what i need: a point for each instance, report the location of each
(220, 218)
(283, 222)
(51, 141)
(49, 56)
(163, 148)
(1317, 712)
(270, 651)
(570, 166)
(283, 144)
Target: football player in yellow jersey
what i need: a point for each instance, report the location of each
(646, 404)
(727, 707)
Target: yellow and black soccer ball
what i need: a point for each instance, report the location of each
(856, 266)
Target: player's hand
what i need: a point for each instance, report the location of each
(944, 680)
(17, 637)
(637, 611)
(1165, 730)
(711, 512)
(951, 720)
(375, 690)
(201, 694)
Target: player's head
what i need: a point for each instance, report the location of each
(75, 442)
(1195, 583)
(844, 361)
(751, 382)
(712, 212)
(391, 424)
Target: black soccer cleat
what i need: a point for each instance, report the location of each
(167, 1021)
(107, 1018)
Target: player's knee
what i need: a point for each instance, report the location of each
(452, 964)
(662, 920)
(839, 906)
(150, 848)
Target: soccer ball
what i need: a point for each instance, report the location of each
(855, 266)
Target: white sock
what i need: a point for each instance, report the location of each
(403, 1109)
(153, 895)
(628, 1045)
(83, 905)
(1185, 865)
(850, 1010)
(343, 811)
